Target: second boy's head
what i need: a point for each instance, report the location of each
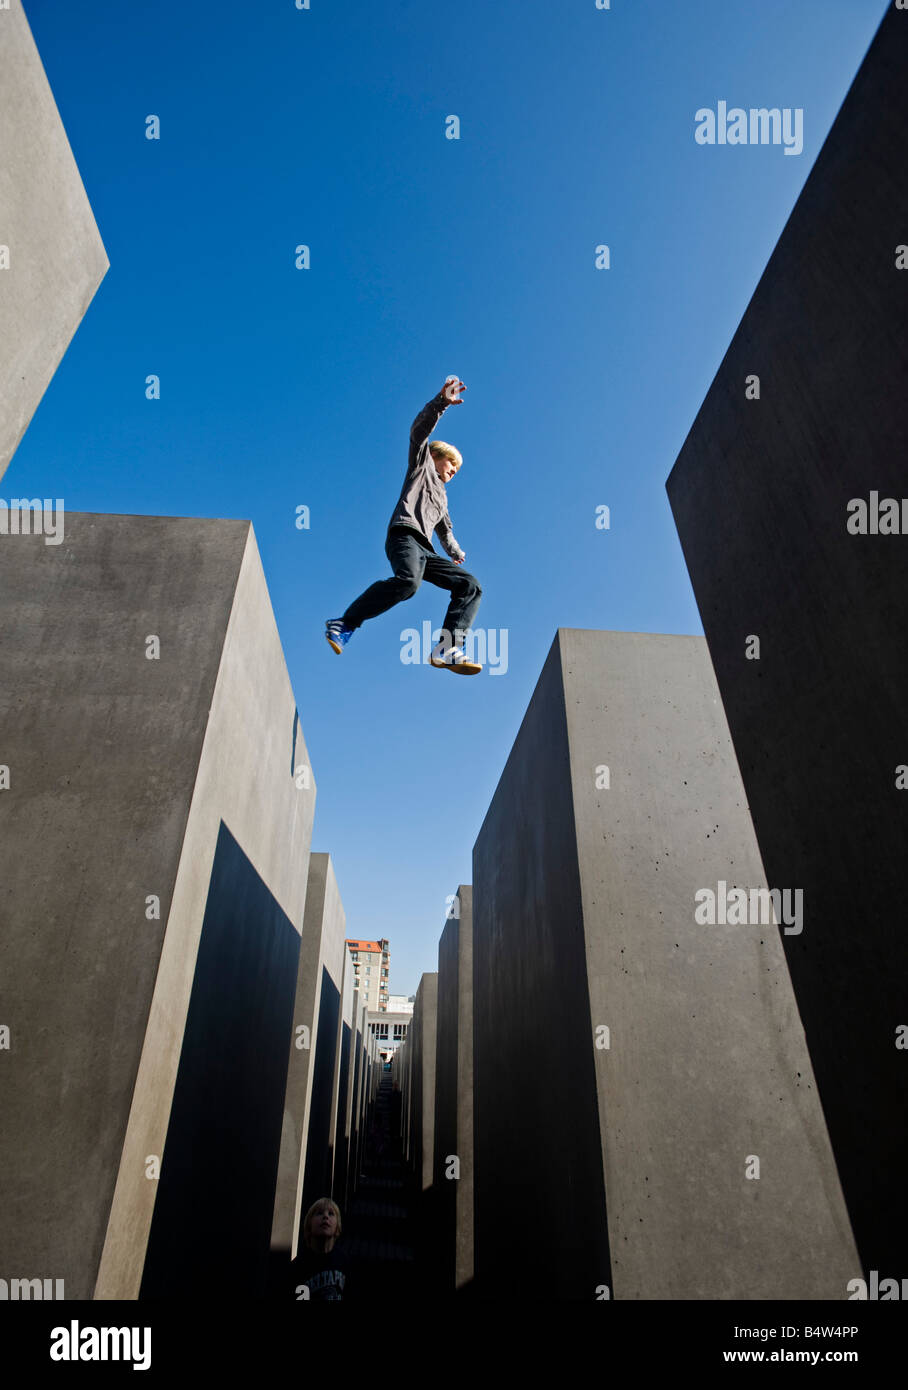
(446, 459)
(322, 1224)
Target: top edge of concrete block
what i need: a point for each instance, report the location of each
(154, 516)
(58, 256)
(886, 34)
(619, 632)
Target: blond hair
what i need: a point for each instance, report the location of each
(314, 1211)
(441, 450)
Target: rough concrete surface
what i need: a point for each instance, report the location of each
(760, 494)
(454, 1094)
(56, 257)
(624, 1166)
(123, 771)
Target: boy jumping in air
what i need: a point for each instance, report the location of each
(421, 510)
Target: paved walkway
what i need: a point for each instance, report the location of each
(381, 1228)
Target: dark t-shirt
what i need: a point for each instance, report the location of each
(324, 1276)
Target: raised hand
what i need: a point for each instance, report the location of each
(451, 387)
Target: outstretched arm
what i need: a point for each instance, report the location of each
(431, 413)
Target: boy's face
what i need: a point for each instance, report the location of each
(324, 1223)
(445, 468)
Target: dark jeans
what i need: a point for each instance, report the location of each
(411, 563)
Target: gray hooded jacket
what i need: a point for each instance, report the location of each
(423, 502)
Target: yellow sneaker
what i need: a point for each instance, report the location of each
(452, 659)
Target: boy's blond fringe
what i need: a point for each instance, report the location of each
(446, 451)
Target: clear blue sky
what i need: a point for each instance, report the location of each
(283, 387)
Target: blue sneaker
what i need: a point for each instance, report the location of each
(338, 636)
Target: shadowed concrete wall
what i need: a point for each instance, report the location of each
(216, 1194)
(421, 1040)
(311, 1071)
(370, 1085)
(454, 1094)
(123, 770)
(368, 1046)
(339, 1089)
(369, 1053)
(625, 1165)
(403, 1057)
(345, 1172)
(345, 1079)
(760, 495)
(355, 1091)
(56, 258)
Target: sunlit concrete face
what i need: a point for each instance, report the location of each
(51, 252)
(145, 707)
(788, 498)
(646, 1120)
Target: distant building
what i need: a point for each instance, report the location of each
(371, 966)
(400, 1004)
(390, 1028)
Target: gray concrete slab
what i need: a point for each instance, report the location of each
(404, 1059)
(760, 494)
(421, 1039)
(124, 771)
(341, 1085)
(223, 1133)
(311, 1070)
(356, 1092)
(354, 1099)
(630, 1063)
(454, 1095)
(347, 1081)
(56, 259)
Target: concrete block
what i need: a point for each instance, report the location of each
(422, 1082)
(347, 1037)
(223, 1135)
(346, 1078)
(454, 1094)
(353, 1105)
(312, 1070)
(356, 1083)
(763, 494)
(55, 256)
(151, 736)
(630, 1064)
(404, 1058)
